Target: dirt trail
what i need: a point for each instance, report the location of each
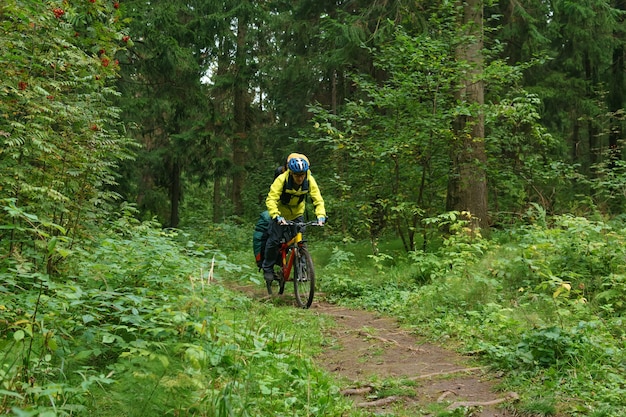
(374, 348)
(388, 371)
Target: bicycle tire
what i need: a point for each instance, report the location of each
(304, 278)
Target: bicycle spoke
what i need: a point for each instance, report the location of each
(304, 279)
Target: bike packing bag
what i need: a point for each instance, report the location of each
(259, 237)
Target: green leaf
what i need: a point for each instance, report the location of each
(52, 244)
(10, 394)
(83, 354)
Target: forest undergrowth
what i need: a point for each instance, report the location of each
(542, 303)
(135, 325)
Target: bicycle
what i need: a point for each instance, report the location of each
(293, 254)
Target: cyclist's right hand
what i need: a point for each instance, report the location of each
(280, 220)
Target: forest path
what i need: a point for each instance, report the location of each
(369, 347)
(390, 371)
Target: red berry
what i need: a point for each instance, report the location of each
(22, 85)
(105, 62)
(50, 97)
(92, 1)
(102, 52)
(94, 127)
(116, 5)
(58, 12)
(126, 38)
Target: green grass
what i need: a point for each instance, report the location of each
(133, 326)
(137, 329)
(542, 304)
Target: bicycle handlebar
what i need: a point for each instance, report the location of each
(292, 223)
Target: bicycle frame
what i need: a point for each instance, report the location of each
(287, 255)
(293, 255)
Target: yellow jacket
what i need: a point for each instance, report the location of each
(283, 200)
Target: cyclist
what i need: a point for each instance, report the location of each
(286, 201)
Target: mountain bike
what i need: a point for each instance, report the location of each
(294, 255)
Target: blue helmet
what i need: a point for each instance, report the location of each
(298, 165)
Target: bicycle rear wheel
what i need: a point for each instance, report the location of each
(304, 278)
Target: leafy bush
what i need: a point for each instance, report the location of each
(543, 302)
(139, 327)
(341, 286)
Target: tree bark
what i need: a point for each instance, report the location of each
(467, 186)
(240, 114)
(592, 130)
(218, 209)
(175, 194)
(616, 91)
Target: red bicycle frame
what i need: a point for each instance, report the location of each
(285, 249)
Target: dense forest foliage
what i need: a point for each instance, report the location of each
(475, 147)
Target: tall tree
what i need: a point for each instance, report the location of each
(241, 109)
(238, 31)
(617, 96)
(578, 76)
(395, 142)
(163, 98)
(467, 184)
(60, 137)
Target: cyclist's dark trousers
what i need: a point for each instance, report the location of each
(275, 233)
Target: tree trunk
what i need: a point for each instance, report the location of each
(616, 99)
(240, 115)
(218, 207)
(616, 91)
(217, 198)
(175, 194)
(467, 186)
(592, 130)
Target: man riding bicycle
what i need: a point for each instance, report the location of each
(286, 202)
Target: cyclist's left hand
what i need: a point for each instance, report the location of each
(321, 221)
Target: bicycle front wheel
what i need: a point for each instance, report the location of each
(304, 278)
